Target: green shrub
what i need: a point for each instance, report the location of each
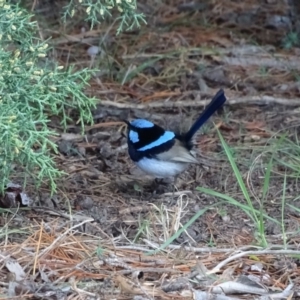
(97, 10)
(32, 89)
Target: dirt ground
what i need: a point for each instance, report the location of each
(165, 72)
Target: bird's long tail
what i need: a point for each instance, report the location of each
(217, 101)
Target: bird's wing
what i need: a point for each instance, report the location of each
(178, 153)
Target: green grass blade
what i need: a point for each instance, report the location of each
(238, 177)
(249, 211)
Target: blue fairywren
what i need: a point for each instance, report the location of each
(162, 153)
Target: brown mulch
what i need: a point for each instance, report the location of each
(93, 239)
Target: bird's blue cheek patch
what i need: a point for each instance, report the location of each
(133, 136)
(141, 123)
(166, 137)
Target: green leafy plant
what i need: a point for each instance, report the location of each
(101, 9)
(32, 89)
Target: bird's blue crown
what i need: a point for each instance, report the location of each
(141, 123)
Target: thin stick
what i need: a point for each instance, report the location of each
(257, 100)
(38, 247)
(248, 253)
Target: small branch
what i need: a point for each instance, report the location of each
(245, 248)
(249, 100)
(247, 253)
(187, 248)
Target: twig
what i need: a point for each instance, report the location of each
(139, 248)
(248, 100)
(246, 248)
(84, 38)
(151, 270)
(38, 247)
(59, 213)
(80, 291)
(247, 253)
(186, 248)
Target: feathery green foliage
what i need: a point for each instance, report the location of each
(32, 89)
(97, 10)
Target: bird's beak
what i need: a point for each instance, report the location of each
(127, 122)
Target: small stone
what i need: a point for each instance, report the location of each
(93, 50)
(226, 219)
(255, 137)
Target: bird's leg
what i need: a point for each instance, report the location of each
(173, 187)
(157, 182)
(154, 186)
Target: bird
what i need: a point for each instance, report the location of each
(163, 153)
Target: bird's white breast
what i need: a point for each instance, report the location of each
(161, 169)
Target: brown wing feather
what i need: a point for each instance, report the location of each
(178, 153)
